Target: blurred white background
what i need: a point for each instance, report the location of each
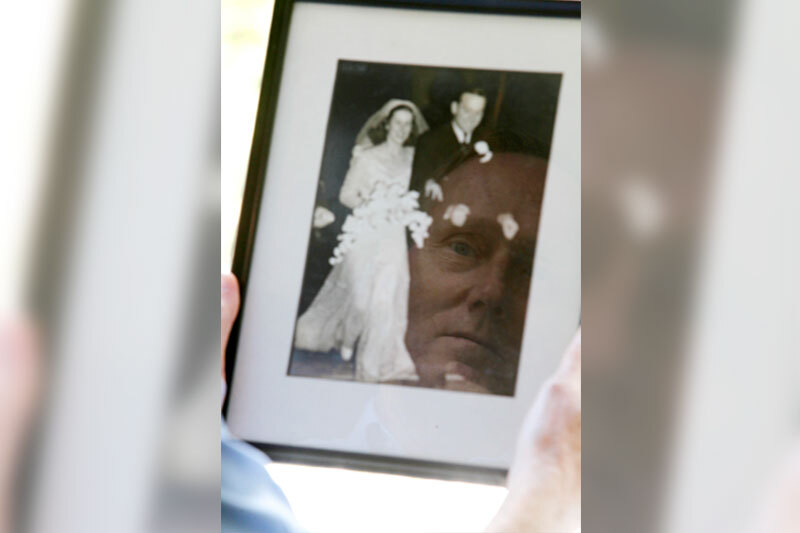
(31, 50)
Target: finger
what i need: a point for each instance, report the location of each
(465, 386)
(17, 339)
(460, 377)
(229, 308)
(455, 370)
(20, 376)
(779, 513)
(19, 365)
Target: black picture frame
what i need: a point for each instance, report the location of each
(253, 192)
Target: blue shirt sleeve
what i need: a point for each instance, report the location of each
(251, 501)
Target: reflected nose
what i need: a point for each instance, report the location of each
(489, 291)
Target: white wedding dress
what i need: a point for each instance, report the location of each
(363, 304)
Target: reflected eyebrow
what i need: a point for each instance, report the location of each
(524, 246)
(473, 224)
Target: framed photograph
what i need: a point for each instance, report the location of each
(409, 244)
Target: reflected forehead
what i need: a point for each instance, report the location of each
(509, 183)
(523, 241)
(507, 179)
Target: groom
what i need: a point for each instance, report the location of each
(439, 150)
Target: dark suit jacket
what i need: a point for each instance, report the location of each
(437, 152)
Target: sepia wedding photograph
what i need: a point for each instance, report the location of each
(408, 249)
(423, 236)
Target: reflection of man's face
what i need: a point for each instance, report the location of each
(469, 283)
(468, 111)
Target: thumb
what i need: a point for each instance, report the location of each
(229, 302)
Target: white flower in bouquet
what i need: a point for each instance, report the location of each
(323, 217)
(433, 190)
(509, 225)
(387, 204)
(418, 225)
(457, 214)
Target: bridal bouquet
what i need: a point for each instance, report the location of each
(387, 205)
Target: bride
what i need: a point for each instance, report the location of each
(362, 306)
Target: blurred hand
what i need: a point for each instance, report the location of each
(433, 190)
(19, 387)
(544, 483)
(229, 302)
(780, 512)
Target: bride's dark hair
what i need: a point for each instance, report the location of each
(378, 134)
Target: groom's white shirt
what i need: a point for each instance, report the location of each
(461, 135)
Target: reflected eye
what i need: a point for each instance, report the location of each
(462, 248)
(459, 253)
